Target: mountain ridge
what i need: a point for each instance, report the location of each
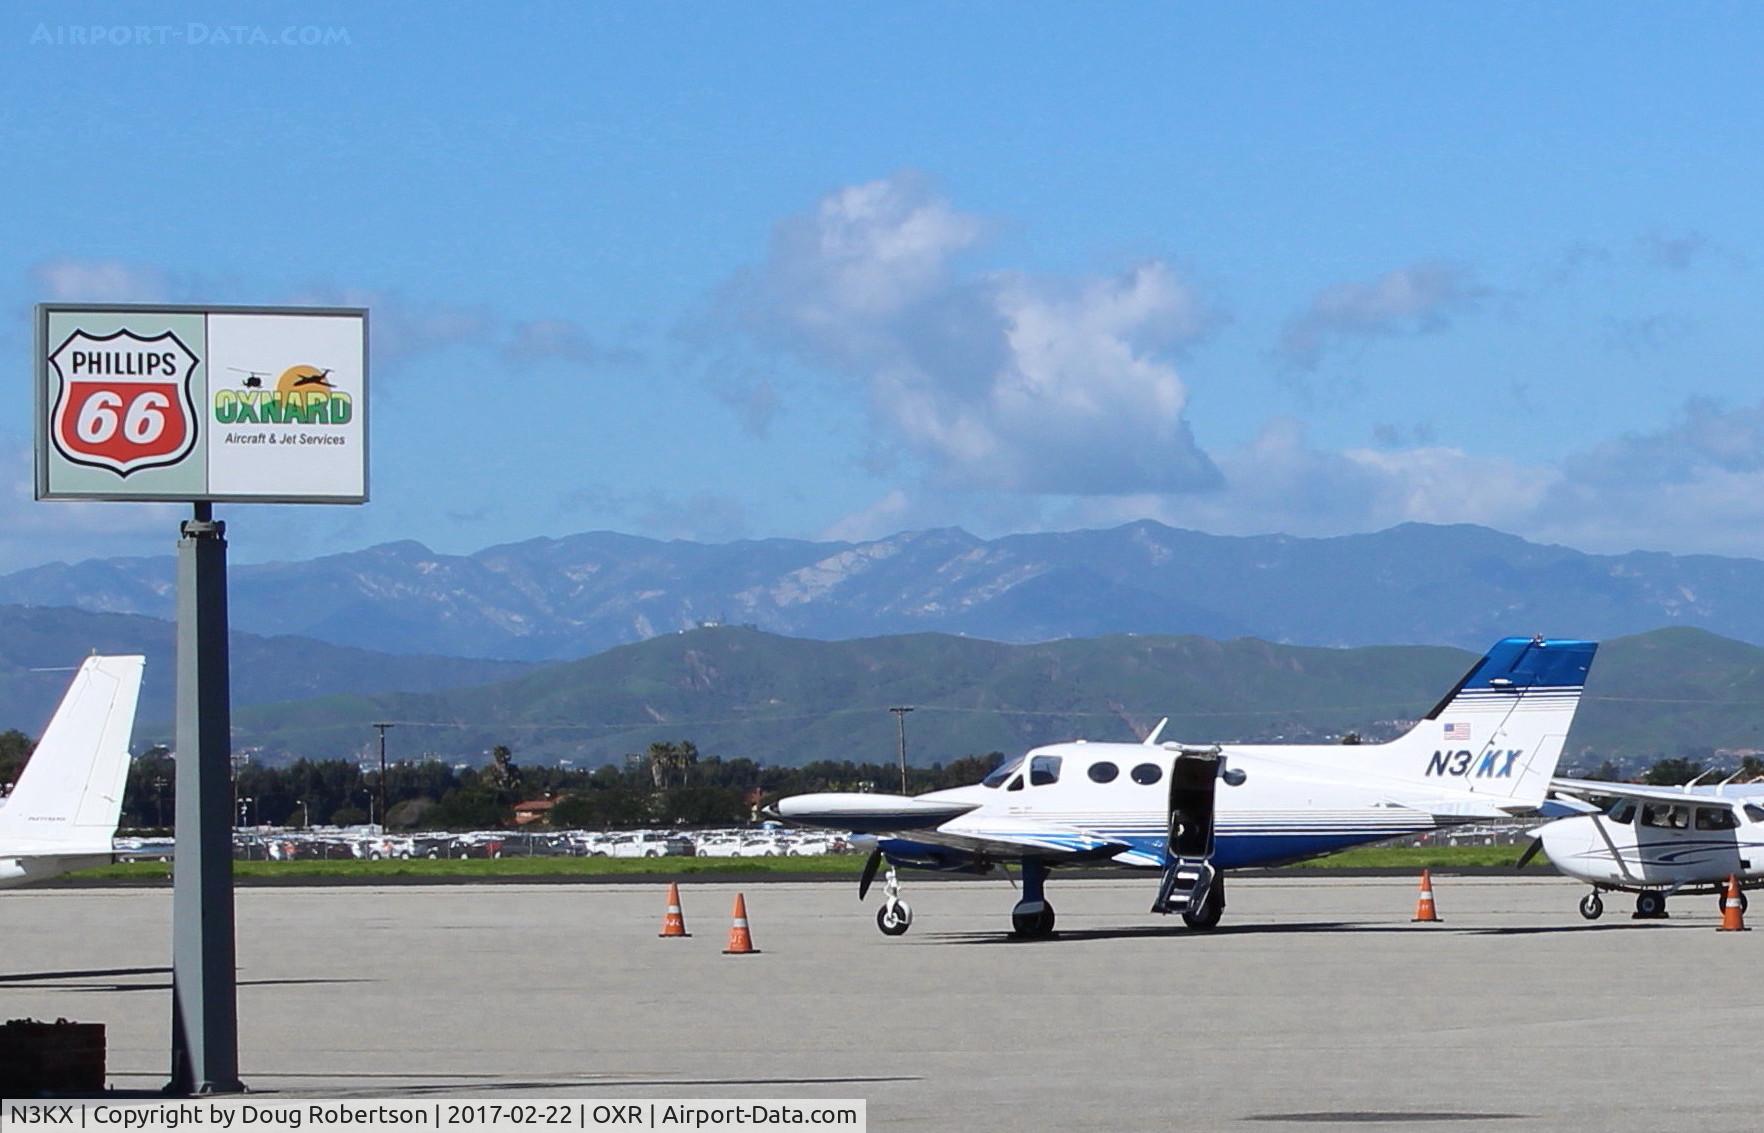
(548, 599)
(39, 646)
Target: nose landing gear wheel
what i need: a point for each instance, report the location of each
(1034, 922)
(894, 918)
(1591, 907)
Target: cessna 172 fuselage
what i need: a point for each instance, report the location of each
(1656, 841)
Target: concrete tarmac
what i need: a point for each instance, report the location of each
(1316, 1002)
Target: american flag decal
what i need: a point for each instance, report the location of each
(1458, 732)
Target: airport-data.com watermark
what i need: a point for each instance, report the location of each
(190, 35)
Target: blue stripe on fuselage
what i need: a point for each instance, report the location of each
(1231, 851)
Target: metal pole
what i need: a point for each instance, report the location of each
(900, 712)
(205, 1010)
(382, 728)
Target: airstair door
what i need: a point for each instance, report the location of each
(1189, 875)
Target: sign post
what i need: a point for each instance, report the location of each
(205, 1016)
(198, 405)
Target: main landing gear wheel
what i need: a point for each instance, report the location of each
(1650, 905)
(894, 918)
(1033, 922)
(1592, 907)
(1207, 916)
(1721, 900)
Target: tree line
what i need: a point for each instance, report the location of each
(670, 784)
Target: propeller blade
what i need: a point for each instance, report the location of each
(1530, 852)
(870, 868)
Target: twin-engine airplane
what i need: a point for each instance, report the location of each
(1487, 750)
(1656, 841)
(62, 813)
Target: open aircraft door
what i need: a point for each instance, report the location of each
(1191, 885)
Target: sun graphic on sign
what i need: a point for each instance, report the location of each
(303, 379)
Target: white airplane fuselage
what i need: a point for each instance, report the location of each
(1486, 751)
(1290, 803)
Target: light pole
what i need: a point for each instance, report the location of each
(244, 802)
(900, 712)
(305, 816)
(382, 729)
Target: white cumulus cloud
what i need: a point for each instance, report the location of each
(996, 379)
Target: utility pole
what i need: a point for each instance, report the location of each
(382, 728)
(900, 712)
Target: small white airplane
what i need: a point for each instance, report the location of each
(62, 813)
(1655, 841)
(1487, 750)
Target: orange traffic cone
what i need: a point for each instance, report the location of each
(674, 921)
(1733, 914)
(1424, 910)
(740, 939)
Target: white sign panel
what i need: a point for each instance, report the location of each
(178, 403)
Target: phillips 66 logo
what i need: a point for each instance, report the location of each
(124, 402)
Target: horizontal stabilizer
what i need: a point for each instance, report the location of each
(1463, 810)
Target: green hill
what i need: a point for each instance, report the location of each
(742, 693)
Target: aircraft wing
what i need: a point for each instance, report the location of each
(868, 814)
(1049, 842)
(1584, 788)
(923, 821)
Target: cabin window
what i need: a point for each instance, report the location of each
(1623, 812)
(1716, 818)
(1665, 816)
(1044, 770)
(1754, 812)
(1146, 774)
(1002, 772)
(1016, 784)
(1103, 772)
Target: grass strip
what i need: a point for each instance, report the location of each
(832, 865)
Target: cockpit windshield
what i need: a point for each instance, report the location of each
(1002, 772)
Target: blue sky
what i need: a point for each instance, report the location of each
(808, 270)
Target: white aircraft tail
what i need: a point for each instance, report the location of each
(71, 790)
(1500, 732)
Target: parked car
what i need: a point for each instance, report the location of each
(645, 845)
(719, 845)
(761, 846)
